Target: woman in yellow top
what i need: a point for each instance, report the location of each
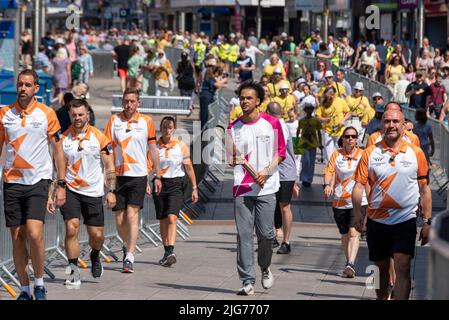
(358, 105)
(394, 72)
(163, 75)
(333, 113)
(274, 63)
(263, 106)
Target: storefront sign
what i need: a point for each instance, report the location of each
(408, 4)
(309, 5)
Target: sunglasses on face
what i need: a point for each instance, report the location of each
(349, 136)
(377, 98)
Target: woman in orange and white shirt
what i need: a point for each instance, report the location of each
(175, 162)
(339, 181)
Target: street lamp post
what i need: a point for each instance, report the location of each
(36, 23)
(420, 23)
(325, 20)
(259, 20)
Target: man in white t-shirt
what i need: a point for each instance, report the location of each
(255, 145)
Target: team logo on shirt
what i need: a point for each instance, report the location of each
(405, 163)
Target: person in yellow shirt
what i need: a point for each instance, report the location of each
(263, 106)
(393, 72)
(330, 82)
(358, 105)
(273, 65)
(276, 81)
(333, 113)
(286, 100)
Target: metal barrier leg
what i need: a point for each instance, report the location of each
(112, 254)
(182, 227)
(154, 233)
(181, 234)
(49, 273)
(8, 288)
(146, 235)
(10, 276)
(105, 257)
(184, 217)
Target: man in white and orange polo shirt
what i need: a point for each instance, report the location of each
(397, 174)
(27, 127)
(132, 134)
(86, 148)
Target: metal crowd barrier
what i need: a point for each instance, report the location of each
(157, 105)
(214, 133)
(54, 235)
(438, 274)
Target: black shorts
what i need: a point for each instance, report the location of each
(171, 198)
(130, 191)
(91, 208)
(344, 218)
(385, 240)
(284, 194)
(22, 202)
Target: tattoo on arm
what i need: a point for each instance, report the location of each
(111, 179)
(51, 189)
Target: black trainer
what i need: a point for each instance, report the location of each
(284, 249)
(24, 296)
(274, 243)
(96, 267)
(164, 259)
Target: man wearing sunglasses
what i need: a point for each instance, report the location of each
(398, 177)
(418, 92)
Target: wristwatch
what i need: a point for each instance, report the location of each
(326, 185)
(61, 183)
(427, 221)
(112, 191)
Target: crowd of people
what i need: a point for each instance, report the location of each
(369, 149)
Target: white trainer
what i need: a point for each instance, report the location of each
(267, 278)
(73, 280)
(246, 290)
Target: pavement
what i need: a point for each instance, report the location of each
(206, 267)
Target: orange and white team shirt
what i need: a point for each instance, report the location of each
(26, 134)
(130, 139)
(394, 178)
(408, 136)
(84, 174)
(343, 166)
(172, 157)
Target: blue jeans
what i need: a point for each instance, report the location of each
(205, 100)
(308, 166)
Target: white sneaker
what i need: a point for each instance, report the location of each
(73, 280)
(267, 278)
(246, 290)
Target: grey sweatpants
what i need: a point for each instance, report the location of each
(250, 212)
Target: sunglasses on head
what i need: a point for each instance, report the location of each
(347, 136)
